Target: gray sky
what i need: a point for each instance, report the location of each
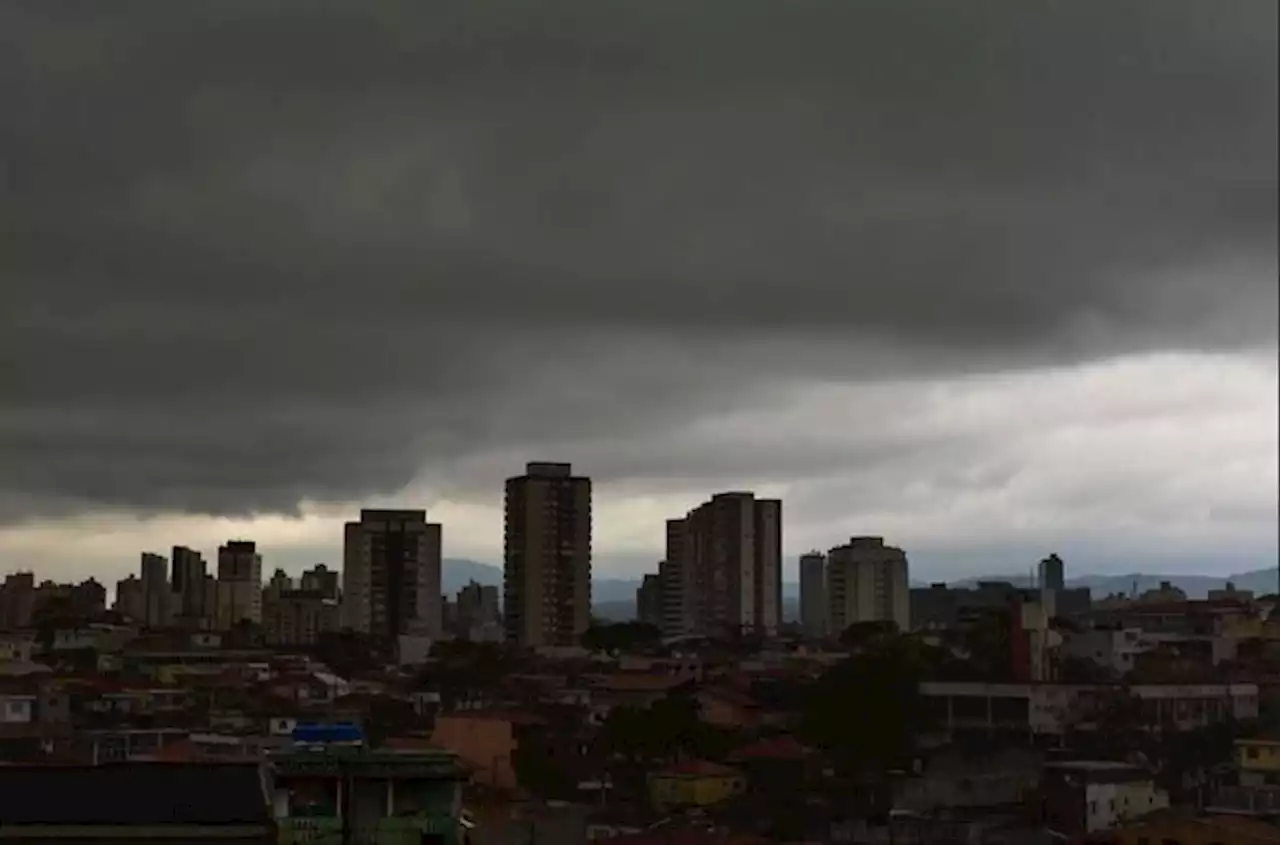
(989, 278)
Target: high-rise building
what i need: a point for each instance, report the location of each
(278, 583)
(813, 594)
(727, 557)
(188, 590)
(17, 600)
(156, 595)
(239, 591)
(547, 557)
(1052, 574)
(391, 574)
(297, 617)
(867, 582)
(649, 600)
(130, 598)
(476, 613)
(320, 579)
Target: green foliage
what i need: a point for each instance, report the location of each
(668, 728)
(346, 652)
(988, 640)
(621, 636)
(863, 634)
(867, 710)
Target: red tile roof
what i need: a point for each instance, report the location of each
(697, 768)
(773, 748)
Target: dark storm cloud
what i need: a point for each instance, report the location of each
(256, 253)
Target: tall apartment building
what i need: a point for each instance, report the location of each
(546, 581)
(239, 591)
(17, 600)
(867, 582)
(156, 594)
(188, 599)
(1052, 573)
(130, 599)
(649, 600)
(813, 594)
(676, 575)
(727, 557)
(391, 574)
(320, 579)
(297, 617)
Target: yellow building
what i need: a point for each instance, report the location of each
(1258, 760)
(694, 783)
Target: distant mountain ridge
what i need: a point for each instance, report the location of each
(1260, 581)
(615, 598)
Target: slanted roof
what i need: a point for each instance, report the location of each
(697, 768)
(133, 794)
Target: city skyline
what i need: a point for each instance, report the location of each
(990, 279)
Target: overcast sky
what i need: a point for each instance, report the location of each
(991, 279)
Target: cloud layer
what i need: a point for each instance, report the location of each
(264, 254)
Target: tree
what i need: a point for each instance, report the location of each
(621, 637)
(861, 634)
(988, 640)
(867, 710)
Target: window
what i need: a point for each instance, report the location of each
(1251, 753)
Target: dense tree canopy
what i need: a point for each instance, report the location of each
(867, 710)
(621, 636)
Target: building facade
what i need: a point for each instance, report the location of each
(154, 571)
(726, 557)
(189, 595)
(649, 600)
(813, 594)
(547, 556)
(391, 574)
(321, 579)
(867, 582)
(239, 591)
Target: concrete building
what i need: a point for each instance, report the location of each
(391, 574)
(1052, 572)
(320, 579)
(477, 614)
(297, 617)
(676, 579)
(17, 600)
(547, 556)
(1087, 796)
(867, 582)
(813, 594)
(187, 585)
(1050, 709)
(278, 583)
(727, 555)
(239, 591)
(649, 600)
(154, 570)
(130, 600)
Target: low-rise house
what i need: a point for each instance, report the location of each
(486, 742)
(16, 646)
(331, 792)
(694, 783)
(1086, 796)
(1258, 760)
